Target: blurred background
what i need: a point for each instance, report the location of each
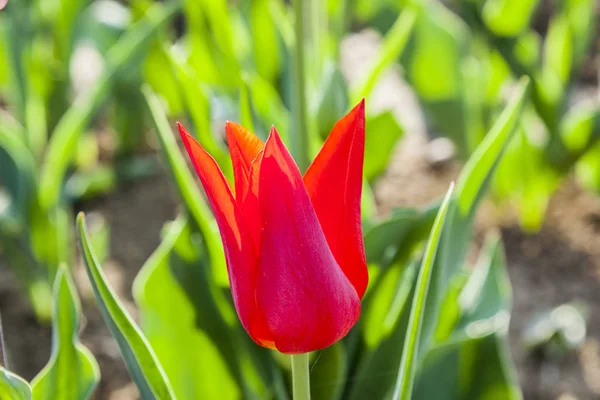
(79, 80)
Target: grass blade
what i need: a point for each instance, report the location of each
(406, 375)
(141, 362)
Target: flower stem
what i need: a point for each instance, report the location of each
(300, 114)
(300, 376)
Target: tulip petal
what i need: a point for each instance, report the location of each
(334, 184)
(241, 255)
(306, 299)
(244, 146)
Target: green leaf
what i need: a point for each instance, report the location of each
(392, 47)
(329, 373)
(468, 368)
(140, 359)
(408, 365)
(72, 372)
(472, 185)
(265, 40)
(485, 300)
(188, 189)
(18, 177)
(508, 17)
(558, 49)
(13, 387)
(475, 176)
(383, 130)
(588, 169)
(433, 61)
(63, 143)
(387, 301)
(179, 312)
(332, 103)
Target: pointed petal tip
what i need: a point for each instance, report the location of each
(182, 131)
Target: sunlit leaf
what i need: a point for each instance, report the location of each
(408, 365)
(72, 372)
(13, 387)
(188, 189)
(179, 311)
(140, 359)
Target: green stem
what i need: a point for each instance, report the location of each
(300, 376)
(300, 115)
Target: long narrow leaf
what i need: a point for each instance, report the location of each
(391, 49)
(142, 363)
(406, 375)
(188, 188)
(62, 145)
(471, 186)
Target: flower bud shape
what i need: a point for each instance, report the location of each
(294, 245)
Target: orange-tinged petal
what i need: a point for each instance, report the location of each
(307, 301)
(334, 184)
(240, 252)
(244, 146)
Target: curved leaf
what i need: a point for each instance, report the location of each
(408, 365)
(72, 372)
(13, 387)
(140, 360)
(472, 184)
(179, 312)
(188, 189)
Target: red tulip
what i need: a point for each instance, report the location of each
(294, 246)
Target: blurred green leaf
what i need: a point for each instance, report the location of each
(140, 359)
(433, 61)
(408, 365)
(178, 312)
(392, 47)
(18, 178)
(508, 17)
(558, 49)
(72, 372)
(383, 130)
(474, 368)
(471, 187)
(332, 102)
(265, 41)
(588, 169)
(13, 387)
(246, 119)
(197, 104)
(581, 18)
(188, 190)
(387, 301)
(485, 300)
(63, 143)
(328, 373)
(579, 127)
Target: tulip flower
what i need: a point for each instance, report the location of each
(293, 245)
